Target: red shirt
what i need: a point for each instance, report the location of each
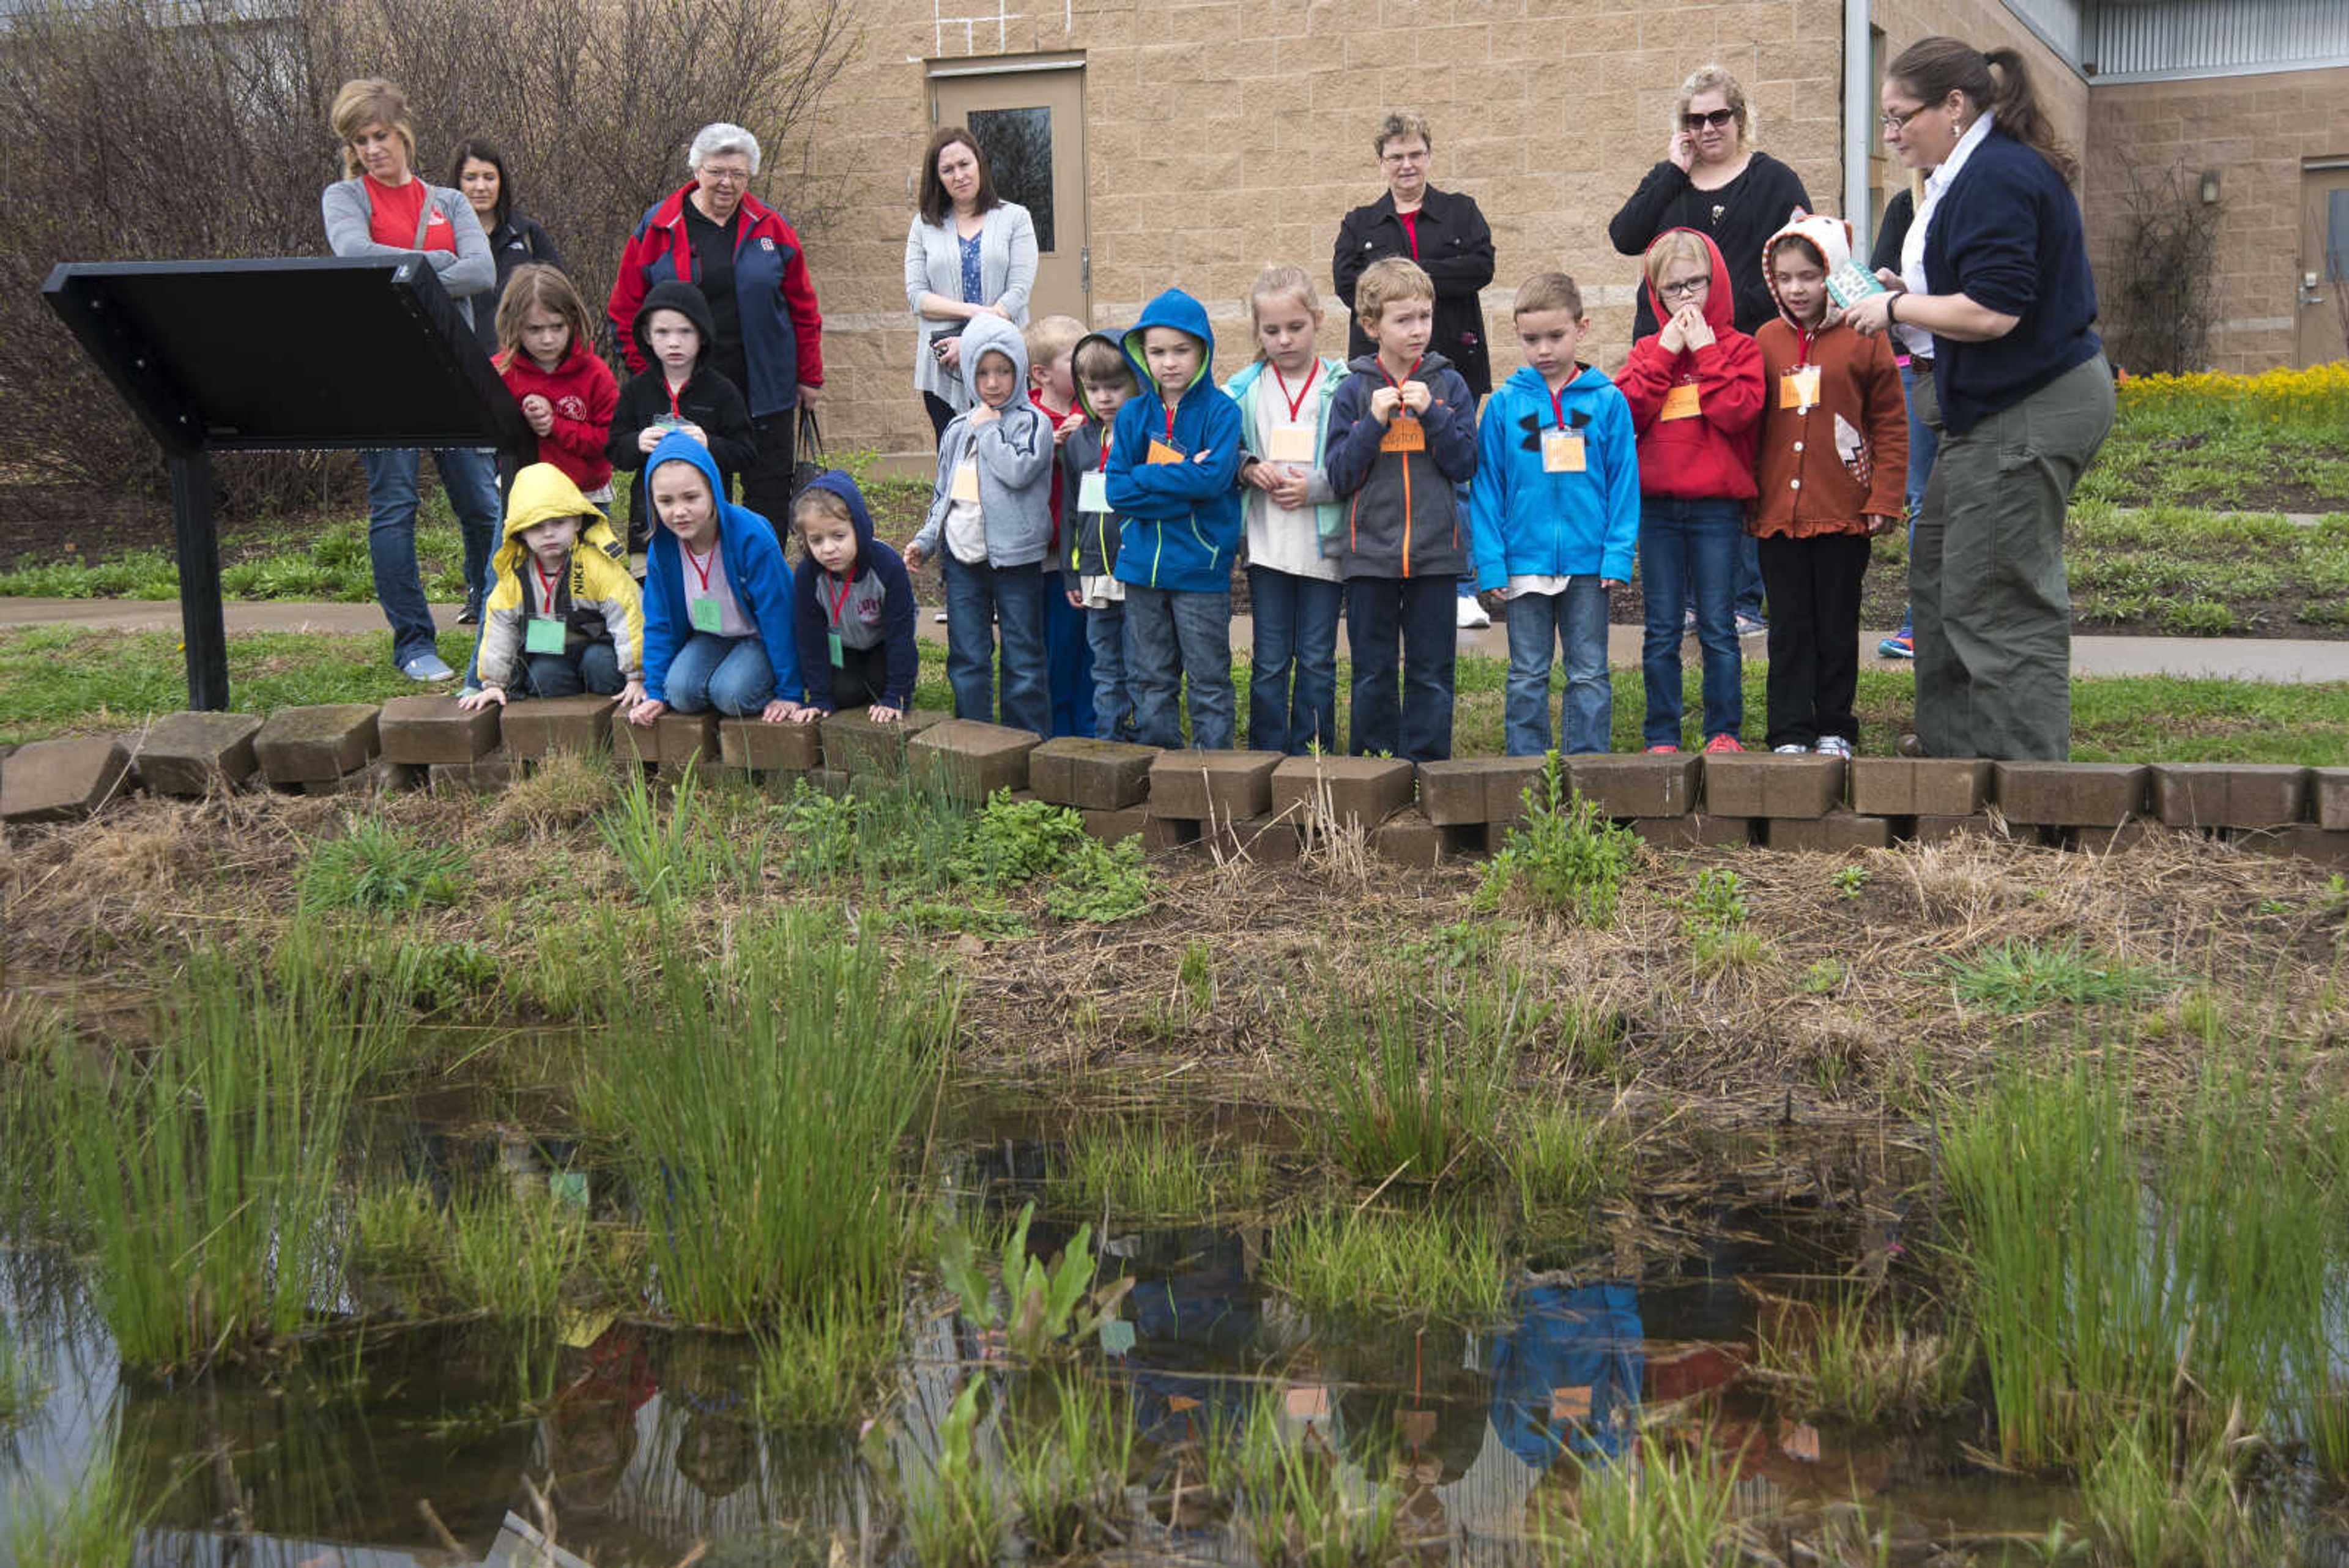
(1056, 416)
(1410, 221)
(392, 212)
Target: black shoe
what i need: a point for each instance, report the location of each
(472, 614)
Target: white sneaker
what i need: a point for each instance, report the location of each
(1834, 746)
(1791, 750)
(1472, 616)
(427, 667)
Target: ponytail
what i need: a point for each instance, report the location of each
(1932, 68)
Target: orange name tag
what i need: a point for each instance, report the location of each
(1562, 451)
(1290, 443)
(1403, 434)
(1682, 403)
(1799, 389)
(1161, 452)
(965, 487)
(1570, 1404)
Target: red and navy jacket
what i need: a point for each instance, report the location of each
(782, 330)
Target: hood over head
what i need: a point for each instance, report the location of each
(1177, 309)
(837, 481)
(679, 447)
(541, 491)
(1720, 300)
(993, 334)
(1831, 237)
(674, 294)
(1092, 338)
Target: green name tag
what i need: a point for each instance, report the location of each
(545, 634)
(704, 614)
(833, 639)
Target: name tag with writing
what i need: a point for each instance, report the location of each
(1682, 403)
(1562, 451)
(1799, 389)
(1291, 444)
(1403, 434)
(1163, 451)
(704, 614)
(964, 484)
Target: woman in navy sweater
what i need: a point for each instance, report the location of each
(1995, 268)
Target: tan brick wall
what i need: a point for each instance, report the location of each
(2255, 130)
(1222, 135)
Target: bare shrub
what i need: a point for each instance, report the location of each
(2157, 279)
(151, 129)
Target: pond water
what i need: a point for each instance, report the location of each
(396, 1445)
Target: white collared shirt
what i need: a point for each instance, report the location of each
(1912, 245)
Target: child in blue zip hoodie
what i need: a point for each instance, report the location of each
(1285, 398)
(852, 606)
(1554, 515)
(718, 597)
(992, 507)
(1174, 470)
(1402, 444)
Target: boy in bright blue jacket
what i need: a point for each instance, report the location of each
(718, 597)
(1174, 468)
(1555, 518)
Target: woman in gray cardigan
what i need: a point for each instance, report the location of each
(970, 253)
(384, 208)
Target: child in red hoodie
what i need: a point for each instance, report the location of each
(1695, 391)
(565, 390)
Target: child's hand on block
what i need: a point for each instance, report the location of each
(780, 710)
(473, 702)
(808, 716)
(645, 712)
(1383, 404)
(882, 714)
(631, 694)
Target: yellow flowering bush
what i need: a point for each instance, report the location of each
(2315, 400)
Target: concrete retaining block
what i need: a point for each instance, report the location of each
(192, 753)
(1361, 792)
(2069, 794)
(1223, 786)
(2304, 840)
(2229, 795)
(634, 745)
(62, 781)
(969, 760)
(1115, 827)
(853, 744)
(1638, 784)
(535, 729)
(426, 730)
(759, 747)
(1698, 830)
(1764, 783)
(482, 776)
(1265, 840)
(1091, 775)
(2105, 840)
(1452, 791)
(2328, 798)
(686, 740)
(1168, 832)
(1918, 786)
(1929, 827)
(317, 743)
(1408, 839)
(1837, 832)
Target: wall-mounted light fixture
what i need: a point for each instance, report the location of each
(2209, 187)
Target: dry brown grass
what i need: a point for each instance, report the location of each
(1844, 1008)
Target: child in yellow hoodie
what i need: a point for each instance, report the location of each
(564, 615)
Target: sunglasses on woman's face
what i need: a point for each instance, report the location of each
(1716, 119)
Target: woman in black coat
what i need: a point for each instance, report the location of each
(479, 171)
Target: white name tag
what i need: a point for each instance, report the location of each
(1562, 451)
(965, 485)
(1092, 492)
(1292, 443)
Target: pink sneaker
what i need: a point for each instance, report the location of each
(1661, 751)
(1724, 742)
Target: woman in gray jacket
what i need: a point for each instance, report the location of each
(970, 253)
(384, 208)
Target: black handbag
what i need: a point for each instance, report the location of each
(808, 456)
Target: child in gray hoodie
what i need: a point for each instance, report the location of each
(993, 508)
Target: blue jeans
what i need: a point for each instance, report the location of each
(597, 670)
(1112, 696)
(1173, 635)
(1689, 549)
(1924, 443)
(1574, 622)
(979, 599)
(1408, 622)
(1293, 668)
(471, 478)
(730, 674)
(1068, 662)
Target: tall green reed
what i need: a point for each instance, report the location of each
(761, 1098)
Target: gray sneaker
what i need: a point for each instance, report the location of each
(1834, 746)
(427, 667)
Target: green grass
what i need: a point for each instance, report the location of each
(1859, 1363)
(1670, 1507)
(820, 1365)
(95, 1524)
(1068, 1450)
(1565, 859)
(1295, 1506)
(329, 563)
(1158, 1169)
(1434, 1263)
(2014, 976)
(377, 867)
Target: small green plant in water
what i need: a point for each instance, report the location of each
(1295, 1507)
(1069, 1463)
(954, 1511)
(95, 1524)
(1669, 1507)
(1158, 1171)
(1566, 860)
(1855, 1368)
(375, 866)
(1428, 1263)
(817, 1364)
(1042, 1305)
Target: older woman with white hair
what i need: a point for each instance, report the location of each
(746, 260)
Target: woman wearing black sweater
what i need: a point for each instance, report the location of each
(479, 171)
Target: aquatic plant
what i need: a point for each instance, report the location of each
(1432, 1262)
(1560, 1156)
(203, 1176)
(2148, 1506)
(819, 1363)
(1158, 1169)
(1666, 1506)
(1068, 1464)
(94, 1523)
(1042, 1305)
(1566, 860)
(509, 1251)
(762, 1099)
(1300, 1505)
(376, 865)
(1850, 1365)
(954, 1512)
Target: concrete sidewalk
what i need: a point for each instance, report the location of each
(2274, 660)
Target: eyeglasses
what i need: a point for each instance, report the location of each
(1715, 118)
(1417, 157)
(725, 176)
(1688, 288)
(1898, 122)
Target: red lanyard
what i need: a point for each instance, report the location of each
(674, 413)
(1557, 405)
(701, 567)
(545, 588)
(840, 600)
(1102, 467)
(1298, 401)
(1170, 424)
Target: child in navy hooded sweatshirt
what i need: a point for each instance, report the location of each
(853, 605)
(992, 510)
(1174, 475)
(718, 597)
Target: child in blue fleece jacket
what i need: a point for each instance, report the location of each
(851, 605)
(1174, 471)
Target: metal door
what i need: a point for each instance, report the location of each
(2324, 262)
(1030, 121)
